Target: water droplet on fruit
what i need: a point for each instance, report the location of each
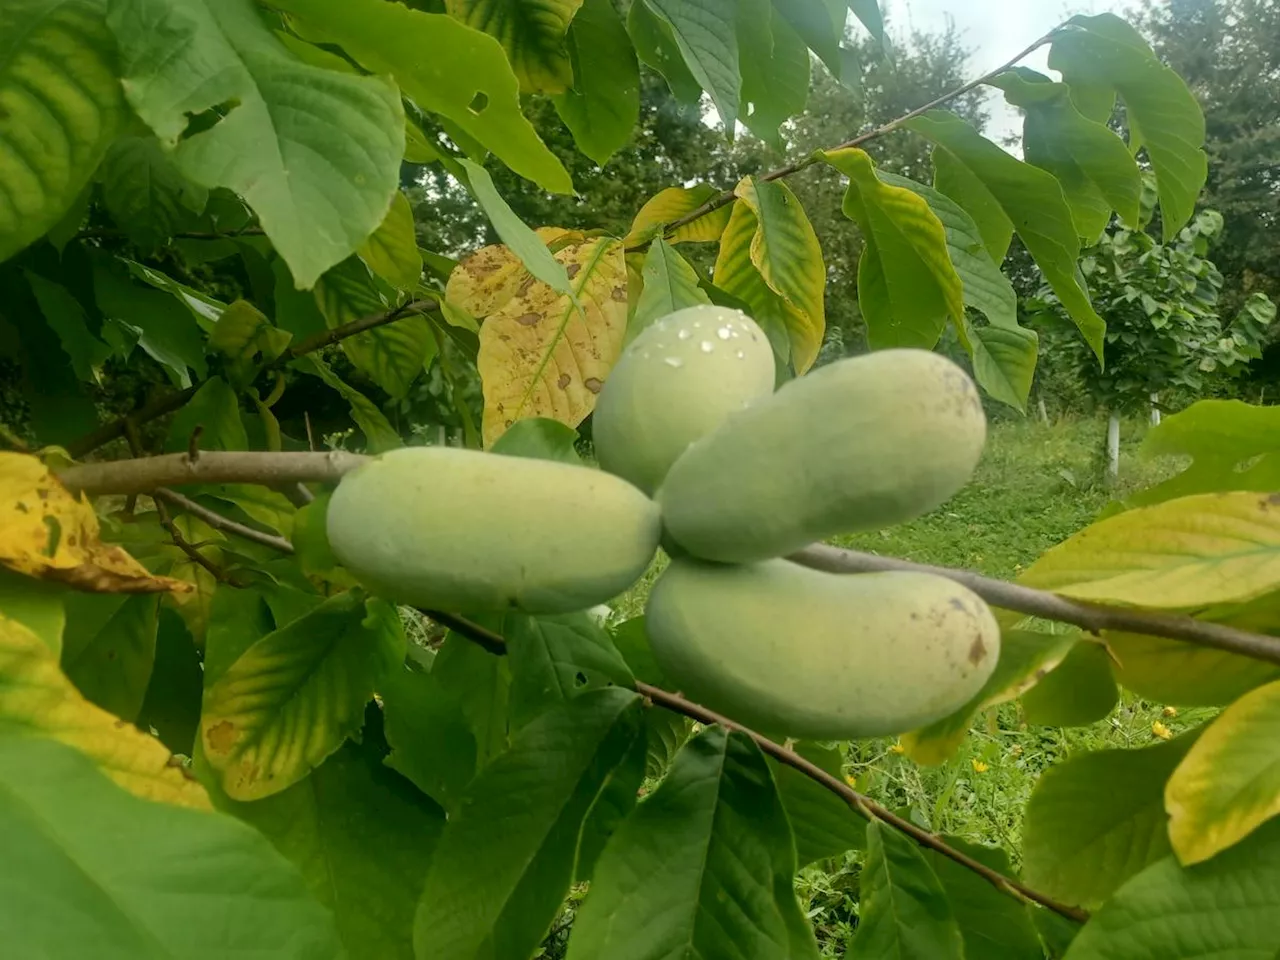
(742, 355)
(724, 333)
(673, 362)
(706, 346)
(684, 334)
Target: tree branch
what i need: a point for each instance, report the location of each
(1040, 603)
(496, 644)
(144, 474)
(175, 401)
(219, 522)
(727, 197)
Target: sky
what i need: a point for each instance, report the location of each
(994, 30)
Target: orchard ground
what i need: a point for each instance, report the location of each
(1036, 485)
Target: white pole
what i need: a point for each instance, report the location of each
(1044, 414)
(1155, 410)
(1113, 446)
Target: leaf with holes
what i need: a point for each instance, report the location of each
(1028, 198)
(669, 285)
(219, 55)
(672, 204)
(542, 356)
(1180, 554)
(467, 79)
(506, 860)
(1229, 782)
(61, 109)
(292, 697)
(51, 535)
(704, 33)
(109, 649)
(706, 860)
(1162, 113)
(602, 109)
(1098, 819)
(907, 286)
(37, 698)
(145, 191)
(392, 250)
(136, 879)
(557, 658)
(532, 32)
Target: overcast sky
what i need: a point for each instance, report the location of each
(994, 30)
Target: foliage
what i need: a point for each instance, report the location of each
(229, 236)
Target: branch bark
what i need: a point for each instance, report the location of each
(144, 474)
(864, 806)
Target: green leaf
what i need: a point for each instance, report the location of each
(431, 741)
(467, 78)
(665, 730)
(247, 339)
(482, 683)
(704, 33)
(532, 32)
(775, 67)
(907, 286)
(296, 310)
(603, 108)
(1176, 672)
(93, 871)
(391, 355)
(291, 698)
(163, 327)
(994, 925)
(617, 799)
(1225, 908)
(204, 308)
(172, 703)
(1180, 554)
(280, 115)
(706, 861)
(1161, 112)
(379, 435)
(539, 438)
(1098, 819)
(63, 313)
(36, 604)
(1079, 691)
(1030, 199)
(109, 648)
(556, 658)
(215, 411)
(656, 46)
(1025, 656)
(62, 109)
(819, 25)
(770, 259)
(145, 192)
(823, 824)
(1097, 172)
(506, 859)
(392, 250)
(1233, 445)
(670, 284)
(868, 14)
(362, 838)
(904, 910)
(1229, 782)
(955, 180)
(1004, 354)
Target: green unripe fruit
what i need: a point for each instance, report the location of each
(797, 652)
(863, 443)
(676, 382)
(458, 530)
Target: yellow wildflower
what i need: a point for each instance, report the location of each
(979, 766)
(897, 748)
(1161, 731)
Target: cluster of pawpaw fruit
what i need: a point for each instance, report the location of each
(700, 454)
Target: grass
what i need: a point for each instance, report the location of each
(1036, 485)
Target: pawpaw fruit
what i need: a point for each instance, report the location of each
(677, 381)
(863, 443)
(797, 652)
(458, 530)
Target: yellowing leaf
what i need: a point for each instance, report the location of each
(770, 259)
(672, 204)
(49, 534)
(486, 280)
(1229, 782)
(542, 357)
(392, 250)
(37, 698)
(532, 32)
(1185, 553)
(1174, 671)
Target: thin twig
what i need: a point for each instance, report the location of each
(866, 807)
(219, 522)
(727, 197)
(1040, 603)
(186, 546)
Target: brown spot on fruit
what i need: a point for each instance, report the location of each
(563, 381)
(221, 737)
(528, 319)
(592, 384)
(977, 651)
